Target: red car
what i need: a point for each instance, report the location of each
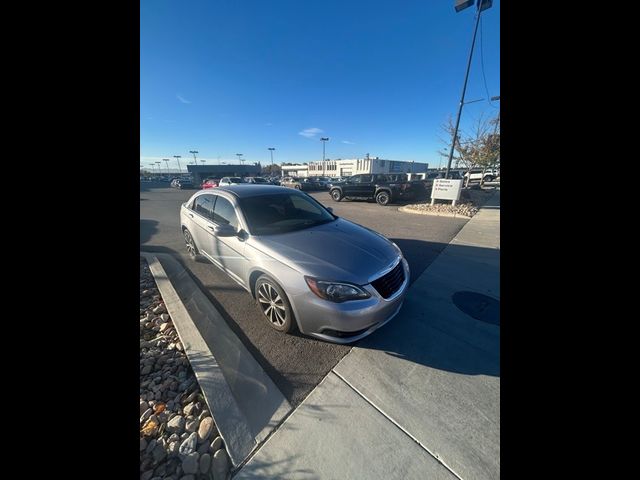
(210, 183)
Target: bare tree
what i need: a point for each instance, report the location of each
(271, 169)
(478, 148)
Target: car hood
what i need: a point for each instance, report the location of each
(339, 251)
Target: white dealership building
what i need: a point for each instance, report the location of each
(353, 166)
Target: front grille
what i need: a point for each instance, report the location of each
(390, 283)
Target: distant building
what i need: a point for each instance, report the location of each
(354, 166)
(294, 170)
(202, 172)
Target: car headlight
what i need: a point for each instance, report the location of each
(336, 291)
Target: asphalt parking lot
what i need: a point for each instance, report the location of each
(295, 363)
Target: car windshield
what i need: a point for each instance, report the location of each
(259, 180)
(282, 212)
(235, 180)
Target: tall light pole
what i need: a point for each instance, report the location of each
(239, 157)
(202, 161)
(166, 161)
(271, 149)
(496, 99)
(195, 162)
(495, 130)
(178, 157)
(159, 169)
(153, 171)
(323, 140)
(459, 6)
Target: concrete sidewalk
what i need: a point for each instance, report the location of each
(420, 398)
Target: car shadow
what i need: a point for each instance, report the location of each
(435, 328)
(419, 254)
(148, 228)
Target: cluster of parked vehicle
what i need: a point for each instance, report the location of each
(225, 181)
(383, 188)
(310, 183)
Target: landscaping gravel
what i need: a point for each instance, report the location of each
(470, 201)
(176, 427)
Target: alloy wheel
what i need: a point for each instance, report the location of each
(272, 304)
(191, 246)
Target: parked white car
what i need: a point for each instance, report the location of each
(225, 181)
(476, 174)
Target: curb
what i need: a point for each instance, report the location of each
(245, 403)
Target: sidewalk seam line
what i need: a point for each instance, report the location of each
(280, 425)
(402, 429)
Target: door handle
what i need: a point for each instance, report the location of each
(191, 215)
(211, 227)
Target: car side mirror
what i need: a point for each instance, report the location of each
(330, 209)
(224, 231)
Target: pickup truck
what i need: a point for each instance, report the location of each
(373, 186)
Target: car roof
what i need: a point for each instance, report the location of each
(244, 191)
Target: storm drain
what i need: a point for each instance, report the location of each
(479, 306)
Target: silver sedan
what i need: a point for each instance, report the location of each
(306, 268)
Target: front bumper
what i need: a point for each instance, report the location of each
(348, 321)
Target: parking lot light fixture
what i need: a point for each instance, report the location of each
(459, 6)
(159, 169)
(178, 157)
(195, 161)
(271, 149)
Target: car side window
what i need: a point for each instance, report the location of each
(224, 213)
(204, 205)
(355, 179)
(381, 178)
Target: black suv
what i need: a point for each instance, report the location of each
(372, 186)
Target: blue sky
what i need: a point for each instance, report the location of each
(379, 77)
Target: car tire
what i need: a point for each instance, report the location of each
(190, 243)
(274, 304)
(383, 198)
(336, 195)
(488, 178)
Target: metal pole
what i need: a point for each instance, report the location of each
(464, 89)
(324, 141)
